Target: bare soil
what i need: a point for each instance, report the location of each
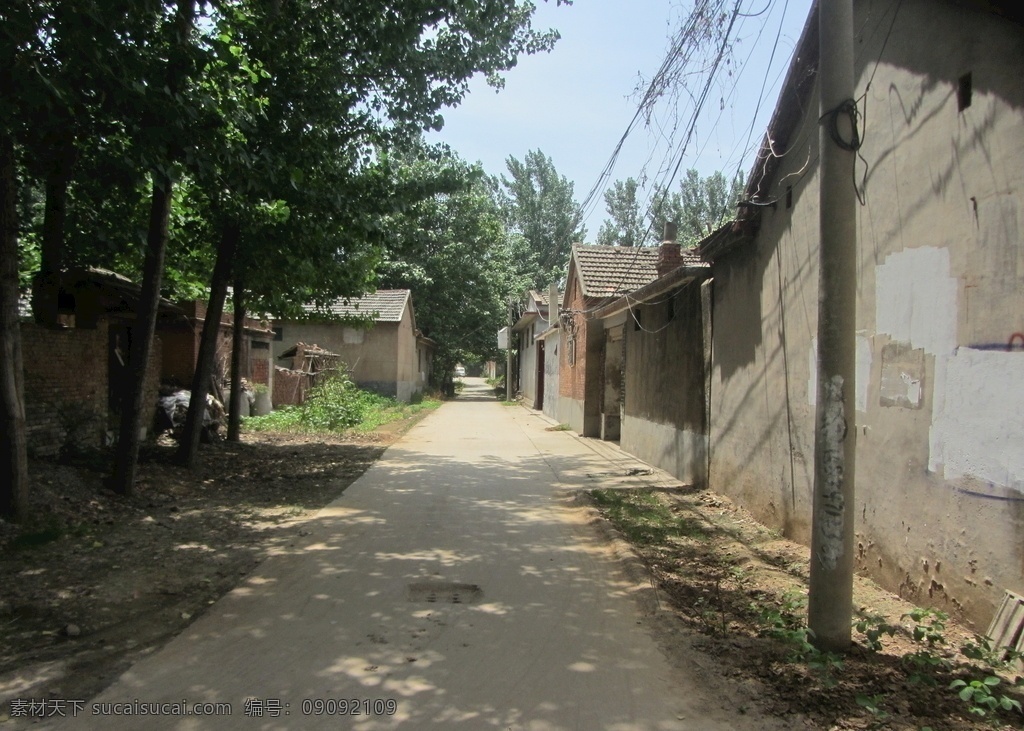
(736, 592)
(96, 580)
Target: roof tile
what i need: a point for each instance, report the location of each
(384, 305)
(612, 271)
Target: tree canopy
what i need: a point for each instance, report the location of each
(698, 206)
(539, 205)
(134, 129)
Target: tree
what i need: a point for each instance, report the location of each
(453, 251)
(699, 207)
(539, 205)
(626, 227)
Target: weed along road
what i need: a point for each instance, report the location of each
(458, 584)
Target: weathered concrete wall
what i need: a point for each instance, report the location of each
(664, 421)
(407, 378)
(940, 428)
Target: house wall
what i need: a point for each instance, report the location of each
(664, 420)
(552, 348)
(66, 387)
(371, 355)
(181, 347)
(527, 365)
(529, 353)
(572, 359)
(940, 375)
(408, 377)
(424, 364)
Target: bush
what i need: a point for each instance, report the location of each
(336, 404)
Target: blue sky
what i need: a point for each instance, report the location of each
(575, 102)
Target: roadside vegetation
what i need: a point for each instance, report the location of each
(337, 405)
(742, 591)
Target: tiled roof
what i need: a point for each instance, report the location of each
(384, 305)
(611, 271)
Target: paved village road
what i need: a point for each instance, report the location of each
(458, 578)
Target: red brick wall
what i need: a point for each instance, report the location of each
(289, 387)
(572, 379)
(66, 386)
(261, 369)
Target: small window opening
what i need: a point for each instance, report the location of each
(671, 309)
(789, 196)
(637, 320)
(963, 92)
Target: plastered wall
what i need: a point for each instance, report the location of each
(939, 423)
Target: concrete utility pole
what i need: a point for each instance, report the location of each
(830, 599)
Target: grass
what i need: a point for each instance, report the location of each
(642, 518)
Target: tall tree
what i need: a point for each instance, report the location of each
(626, 225)
(452, 249)
(539, 205)
(701, 205)
(13, 452)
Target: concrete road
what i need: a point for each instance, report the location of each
(456, 585)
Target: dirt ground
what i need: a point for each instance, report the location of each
(101, 581)
(736, 592)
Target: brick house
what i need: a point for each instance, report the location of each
(588, 401)
(75, 376)
(181, 338)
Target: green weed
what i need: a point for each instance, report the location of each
(981, 698)
(643, 518)
(873, 627)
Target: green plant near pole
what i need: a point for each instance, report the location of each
(981, 698)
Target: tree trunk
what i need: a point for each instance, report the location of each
(46, 286)
(13, 450)
(189, 446)
(143, 335)
(237, 343)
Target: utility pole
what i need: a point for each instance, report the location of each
(830, 600)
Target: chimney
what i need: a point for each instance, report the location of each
(670, 256)
(553, 303)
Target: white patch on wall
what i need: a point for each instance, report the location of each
(915, 299)
(862, 374)
(977, 426)
(352, 335)
(979, 432)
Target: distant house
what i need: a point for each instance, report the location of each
(529, 327)
(374, 335)
(659, 364)
(590, 359)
